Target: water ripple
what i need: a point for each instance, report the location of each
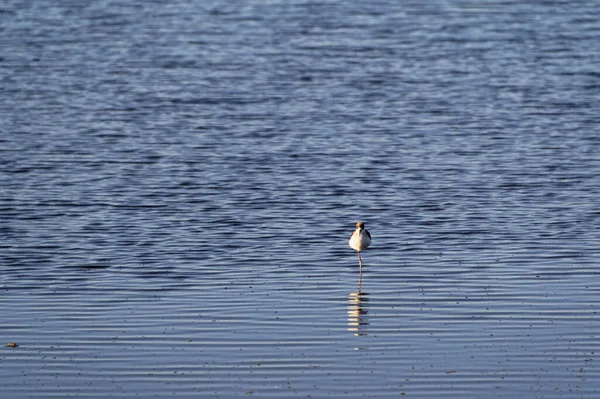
(178, 183)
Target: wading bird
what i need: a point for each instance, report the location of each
(360, 240)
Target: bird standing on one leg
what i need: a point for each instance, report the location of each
(360, 239)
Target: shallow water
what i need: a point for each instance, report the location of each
(178, 183)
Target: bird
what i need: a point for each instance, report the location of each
(360, 240)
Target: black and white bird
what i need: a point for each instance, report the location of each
(360, 240)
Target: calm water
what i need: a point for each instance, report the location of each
(179, 180)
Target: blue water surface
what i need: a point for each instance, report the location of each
(179, 181)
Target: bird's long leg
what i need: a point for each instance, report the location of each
(360, 273)
(360, 262)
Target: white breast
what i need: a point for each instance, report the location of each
(359, 240)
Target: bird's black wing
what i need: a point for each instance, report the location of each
(369, 234)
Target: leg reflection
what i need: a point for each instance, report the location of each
(357, 312)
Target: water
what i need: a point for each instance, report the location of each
(178, 183)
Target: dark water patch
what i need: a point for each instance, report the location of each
(92, 266)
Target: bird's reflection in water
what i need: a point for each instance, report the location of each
(357, 312)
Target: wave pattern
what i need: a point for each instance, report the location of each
(178, 182)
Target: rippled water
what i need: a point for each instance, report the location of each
(179, 180)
